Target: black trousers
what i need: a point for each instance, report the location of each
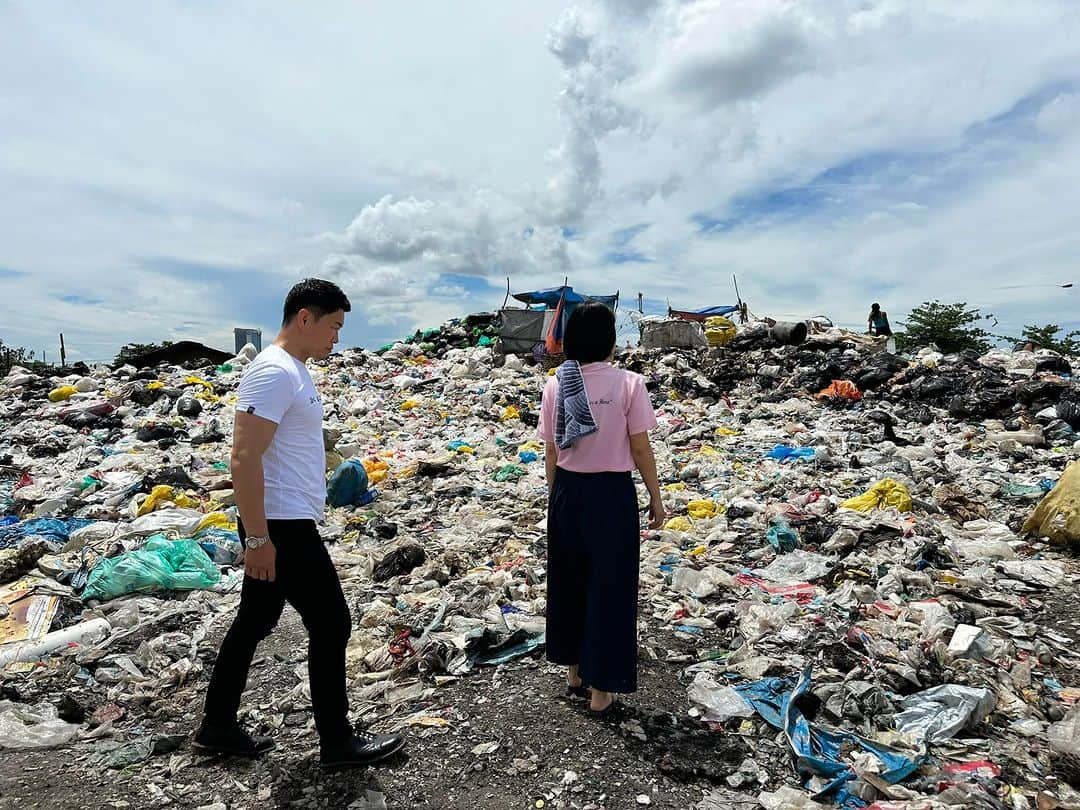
(307, 580)
(593, 538)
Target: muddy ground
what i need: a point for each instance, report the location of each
(549, 749)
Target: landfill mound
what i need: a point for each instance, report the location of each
(865, 595)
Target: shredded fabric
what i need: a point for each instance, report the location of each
(573, 415)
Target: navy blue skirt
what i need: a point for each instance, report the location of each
(593, 538)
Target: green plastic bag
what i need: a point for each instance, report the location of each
(161, 564)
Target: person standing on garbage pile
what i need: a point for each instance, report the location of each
(879, 321)
(279, 477)
(594, 421)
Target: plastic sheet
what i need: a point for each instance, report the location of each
(1058, 514)
(37, 726)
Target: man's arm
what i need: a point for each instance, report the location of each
(251, 436)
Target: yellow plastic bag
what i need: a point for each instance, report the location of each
(62, 393)
(199, 381)
(882, 495)
(511, 412)
(719, 330)
(700, 510)
(409, 404)
(155, 385)
(376, 470)
(216, 520)
(679, 524)
(163, 493)
(1058, 514)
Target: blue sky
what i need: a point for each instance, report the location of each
(828, 152)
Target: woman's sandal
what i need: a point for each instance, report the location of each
(612, 709)
(577, 691)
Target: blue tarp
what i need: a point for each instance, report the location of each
(713, 311)
(550, 298)
(817, 749)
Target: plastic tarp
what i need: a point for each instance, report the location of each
(521, 329)
(819, 751)
(705, 312)
(56, 531)
(941, 712)
(550, 298)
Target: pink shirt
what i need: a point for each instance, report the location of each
(621, 407)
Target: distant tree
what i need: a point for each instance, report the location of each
(14, 356)
(1046, 337)
(950, 327)
(132, 350)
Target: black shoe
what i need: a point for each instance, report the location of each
(363, 749)
(230, 740)
(581, 691)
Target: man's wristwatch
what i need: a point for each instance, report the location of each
(253, 541)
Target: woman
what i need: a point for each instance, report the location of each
(879, 321)
(594, 421)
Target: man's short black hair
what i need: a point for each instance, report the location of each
(590, 333)
(315, 294)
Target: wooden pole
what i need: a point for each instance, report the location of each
(63, 352)
(640, 303)
(735, 281)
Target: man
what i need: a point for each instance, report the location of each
(279, 476)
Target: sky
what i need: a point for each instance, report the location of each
(169, 170)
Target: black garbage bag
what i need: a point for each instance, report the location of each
(1069, 411)
(1053, 365)
(401, 560)
(188, 406)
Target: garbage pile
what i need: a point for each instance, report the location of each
(867, 576)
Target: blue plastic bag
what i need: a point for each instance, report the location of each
(348, 485)
(782, 537)
(783, 452)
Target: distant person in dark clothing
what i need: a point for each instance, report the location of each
(879, 321)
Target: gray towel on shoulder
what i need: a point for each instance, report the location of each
(573, 414)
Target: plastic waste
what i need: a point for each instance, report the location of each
(841, 389)
(348, 484)
(782, 537)
(161, 564)
(33, 726)
(783, 452)
(1064, 735)
(62, 393)
(693, 582)
(797, 566)
(1058, 514)
(819, 750)
(941, 712)
(718, 703)
(165, 494)
(884, 494)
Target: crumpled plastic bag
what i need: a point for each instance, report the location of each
(882, 495)
(1058, 514)
(941, 712)
(797, 566)
(1064, 736)
(37, 726)
(163, 493)
(700, 510)
(161, 564)
(843, 389)
(718, 702)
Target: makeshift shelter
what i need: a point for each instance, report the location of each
(703, 314)
(521, 329)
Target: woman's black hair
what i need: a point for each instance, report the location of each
(590, 333)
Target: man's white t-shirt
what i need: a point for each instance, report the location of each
(277, 386)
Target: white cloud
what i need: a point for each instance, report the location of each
(849, 148)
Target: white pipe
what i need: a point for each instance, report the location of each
(89, 632)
